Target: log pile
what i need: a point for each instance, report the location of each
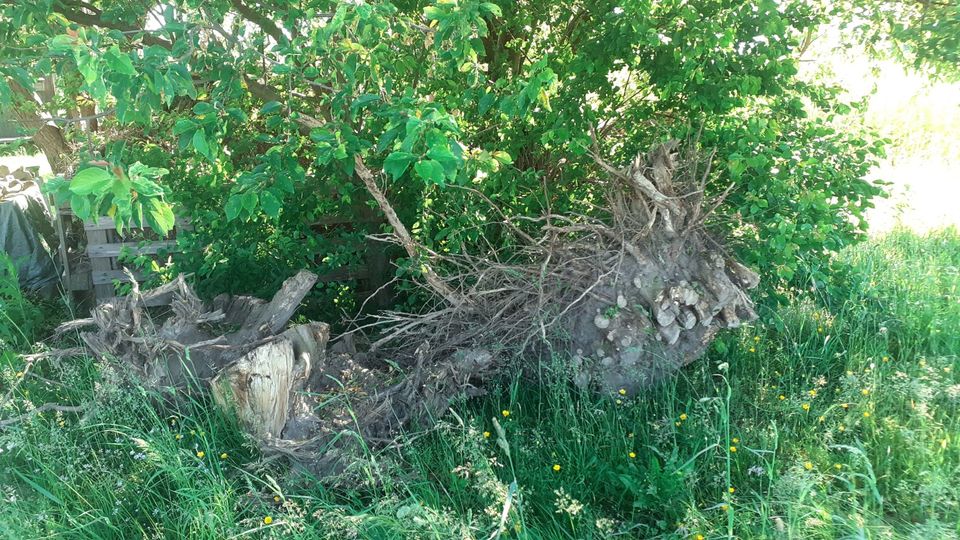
(630, 298)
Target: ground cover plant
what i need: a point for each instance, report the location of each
(839, 419)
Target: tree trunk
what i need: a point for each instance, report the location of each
(47, 136)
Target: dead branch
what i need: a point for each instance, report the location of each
(40, 410)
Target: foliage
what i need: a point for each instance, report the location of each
(133, 198)
(922, 34)
(843, 423)
(261, 111)
(19, 317)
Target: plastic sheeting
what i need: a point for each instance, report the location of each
(26, 233)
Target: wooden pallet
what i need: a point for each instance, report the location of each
(105, 247)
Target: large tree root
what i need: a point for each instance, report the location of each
(631, 298)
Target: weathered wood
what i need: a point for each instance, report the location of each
(100, 263)
(258, 388)
(108, 224)
(97, 249)
(107, 277)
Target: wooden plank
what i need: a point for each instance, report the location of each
(107, 277)
(106, 223)
(103, 251)
(98, 239)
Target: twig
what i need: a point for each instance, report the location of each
(40, 410)
(400, 230)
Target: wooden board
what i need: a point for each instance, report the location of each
(104, 250)
(108, 224)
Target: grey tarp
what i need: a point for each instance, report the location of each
(26, 234)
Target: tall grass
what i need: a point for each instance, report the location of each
(837, 418)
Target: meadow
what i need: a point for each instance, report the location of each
(835, 417)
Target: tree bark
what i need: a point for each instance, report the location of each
(47, 136)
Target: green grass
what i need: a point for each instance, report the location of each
(843, 410)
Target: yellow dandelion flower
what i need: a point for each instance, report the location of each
(886, 359)
(844, 405)
(486, 434)
(698, 537)
(619, 402)
(805, 406)
(756, 339)
(622, 391)
(733, 448)
(837, 466)
(19, 374)
(276, 498)
(632, 455)
(866, 414)
(683, 416)
(813, 393)
(781, 397)
(223, 455)
(201, 453)
(841, 428)
(865, 391)
(752, 349)
(819, 329)
(808, 466)
(267, 520)
(505, 413)
(736, 440)
(724, 507)
(731, 489)
(556, 467)
(178, 436)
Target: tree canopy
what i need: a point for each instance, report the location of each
(252, 118)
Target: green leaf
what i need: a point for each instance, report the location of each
(183, 125)
(161, 215)
(62, 43)
(80, 206)
(502, 157)
(119, 62)
(271, 204)
(445, 157)
(146, 188)
(430, 171)
(202, 108)
(233, 207)
(200, 144)
(88, 66)
(40, 489)
(250, 201)
(485, 103)
(397, 162)
(491, 8)
(270, 107)
(91, 180)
